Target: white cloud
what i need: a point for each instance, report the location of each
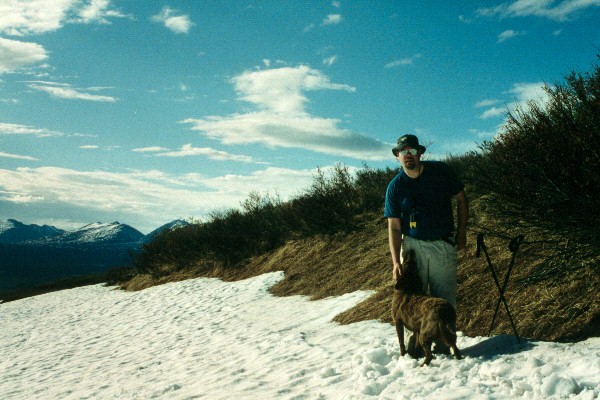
(539, 8)
(152, 149)
(188, 150)
(309, 28)
(143, 198)
(333, 19)
(15, 54)
(63, 91)
(509, 34)
(484, 135)
(281, 89)
(486, 103)
(493, 112)
(520, 94)
(336, 4)
(403, 61)
(33, 17)
(17, 157)
(329, 61)
(173, 21)
(16, 129)
(89, 147)
(97, 11)
(529, 91)
(282, 120)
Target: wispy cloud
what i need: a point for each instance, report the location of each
(494, 112)
(403, 61)
(188, 150)
(17, 129)
(151, 149)
(15, 55)
(173, 20)
(329, 61)
(281, 119)
(333, 19)
(560, 11)
(487, 103)
(309, 28)
(482, 135)
(34, 17)
(16, 156)
(517, 96)
(509, 34)
(142, 197)
(64, 91)
(98, 11)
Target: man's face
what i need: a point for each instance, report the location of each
(409, 157)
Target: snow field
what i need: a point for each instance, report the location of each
(205, 338)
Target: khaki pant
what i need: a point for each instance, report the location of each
(436, 262)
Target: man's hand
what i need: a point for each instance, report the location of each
(396, 271)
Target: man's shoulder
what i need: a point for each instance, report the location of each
(399, 176)
(438, 166)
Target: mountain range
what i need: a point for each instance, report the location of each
(33, 254)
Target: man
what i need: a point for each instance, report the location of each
(418, 207)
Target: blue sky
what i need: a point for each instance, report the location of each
(148, 111)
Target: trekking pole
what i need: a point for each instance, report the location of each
(513, 246)
(481, 246)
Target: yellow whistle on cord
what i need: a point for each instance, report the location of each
(412, 224)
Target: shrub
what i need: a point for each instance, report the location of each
(544, 162)
(264, 222)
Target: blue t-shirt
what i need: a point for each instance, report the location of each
(424, 204)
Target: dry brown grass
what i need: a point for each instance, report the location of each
(564, 308)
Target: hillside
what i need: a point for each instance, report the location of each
(565, 308)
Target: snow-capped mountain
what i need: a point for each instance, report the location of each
(98, 232)
(176, 224)
(13, 231)
(32, 254)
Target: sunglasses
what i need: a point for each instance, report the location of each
(413, 152)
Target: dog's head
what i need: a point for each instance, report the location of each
(408, 279)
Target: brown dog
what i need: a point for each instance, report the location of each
(429, 318)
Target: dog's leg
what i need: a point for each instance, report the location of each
(456, 352)
(428, 354)
(448, 335)
(400, 333)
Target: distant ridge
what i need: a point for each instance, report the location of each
(13, 231)
(178, 223)
(31, 255)
(97, 232)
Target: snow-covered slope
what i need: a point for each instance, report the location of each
(208, 339)
(98, 232)
(176, 224)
